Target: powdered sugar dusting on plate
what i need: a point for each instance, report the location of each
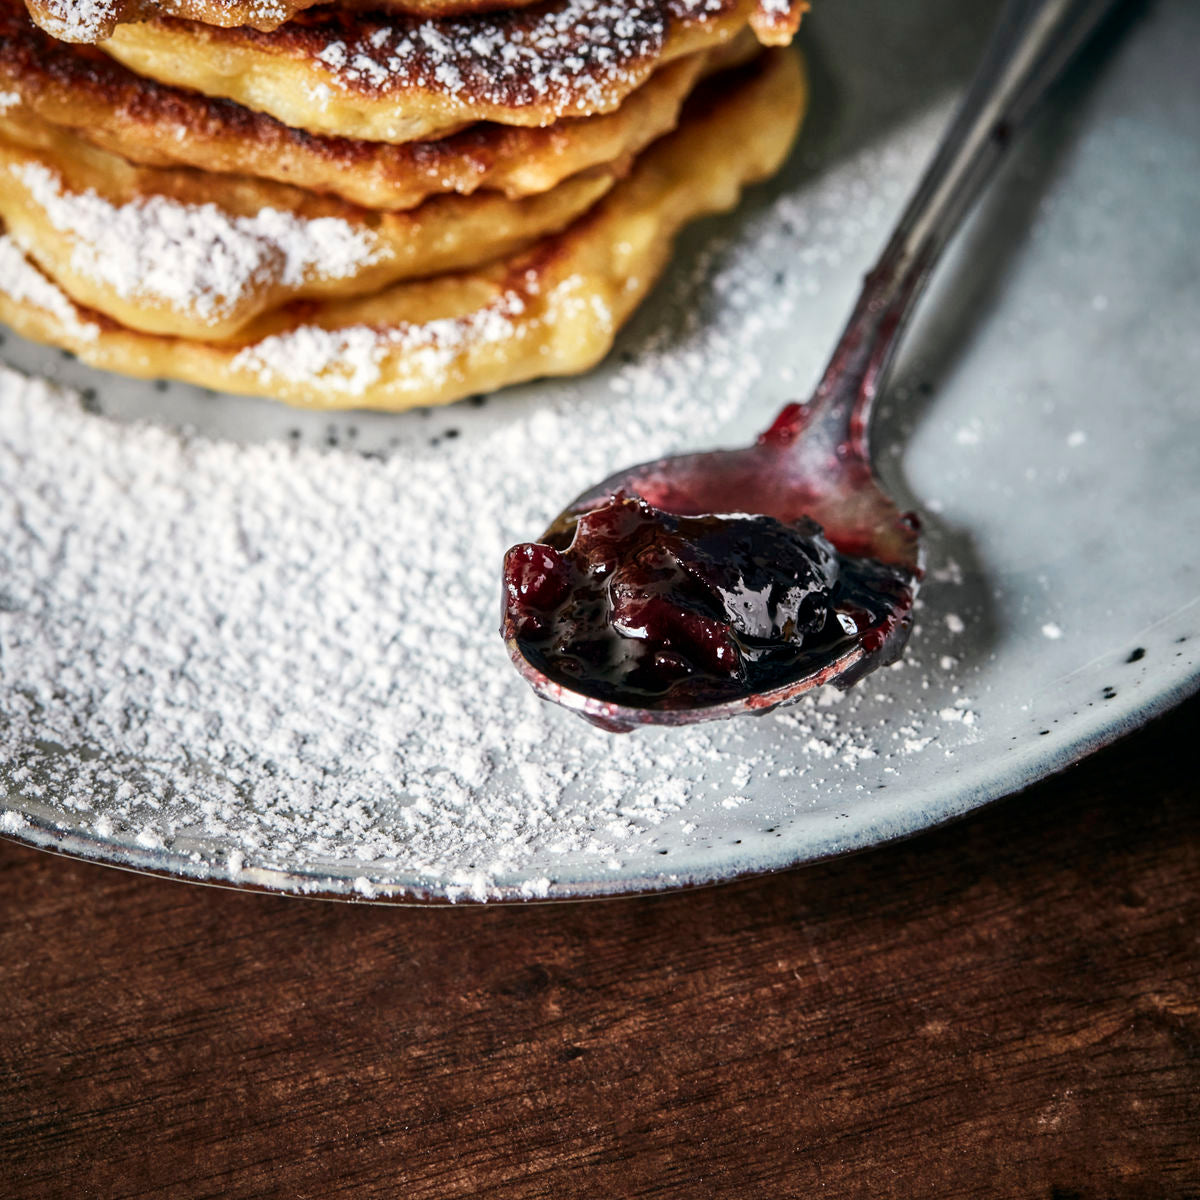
(281, 665)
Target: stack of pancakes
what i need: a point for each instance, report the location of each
(362, 206)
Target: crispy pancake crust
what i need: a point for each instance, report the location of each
(94, 20)
(179, 251)
(157, 125)
(398, 79)
(551, 310)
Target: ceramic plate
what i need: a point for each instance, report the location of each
(1043, 420)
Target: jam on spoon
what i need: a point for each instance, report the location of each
(629, 603)
(705, 585)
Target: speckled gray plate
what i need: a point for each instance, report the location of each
(1044, 418)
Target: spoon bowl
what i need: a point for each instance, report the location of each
(799, 468)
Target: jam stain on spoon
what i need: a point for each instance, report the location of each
(705, 585)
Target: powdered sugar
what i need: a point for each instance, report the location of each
(23, 282)
(76, 20)
(294, 653)
(575, 56)
(302, 645)
(349, 359)
(9, 100)
(280, 665)
(195, 258)
(92, 20)
(263, 13)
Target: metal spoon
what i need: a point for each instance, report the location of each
(814, 460)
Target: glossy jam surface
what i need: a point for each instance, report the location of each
(641, 607)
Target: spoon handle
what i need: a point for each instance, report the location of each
(1032, 43)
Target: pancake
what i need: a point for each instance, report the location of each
(551, 310)
(178, 251)
(94, 20)
(157, 125)
(399, 79)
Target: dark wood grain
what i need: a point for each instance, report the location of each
(1008, 1006)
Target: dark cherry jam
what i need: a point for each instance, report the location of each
(637, 606)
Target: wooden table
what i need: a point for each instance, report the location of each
(1008, 1006)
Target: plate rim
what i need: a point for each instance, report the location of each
(301, 885)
